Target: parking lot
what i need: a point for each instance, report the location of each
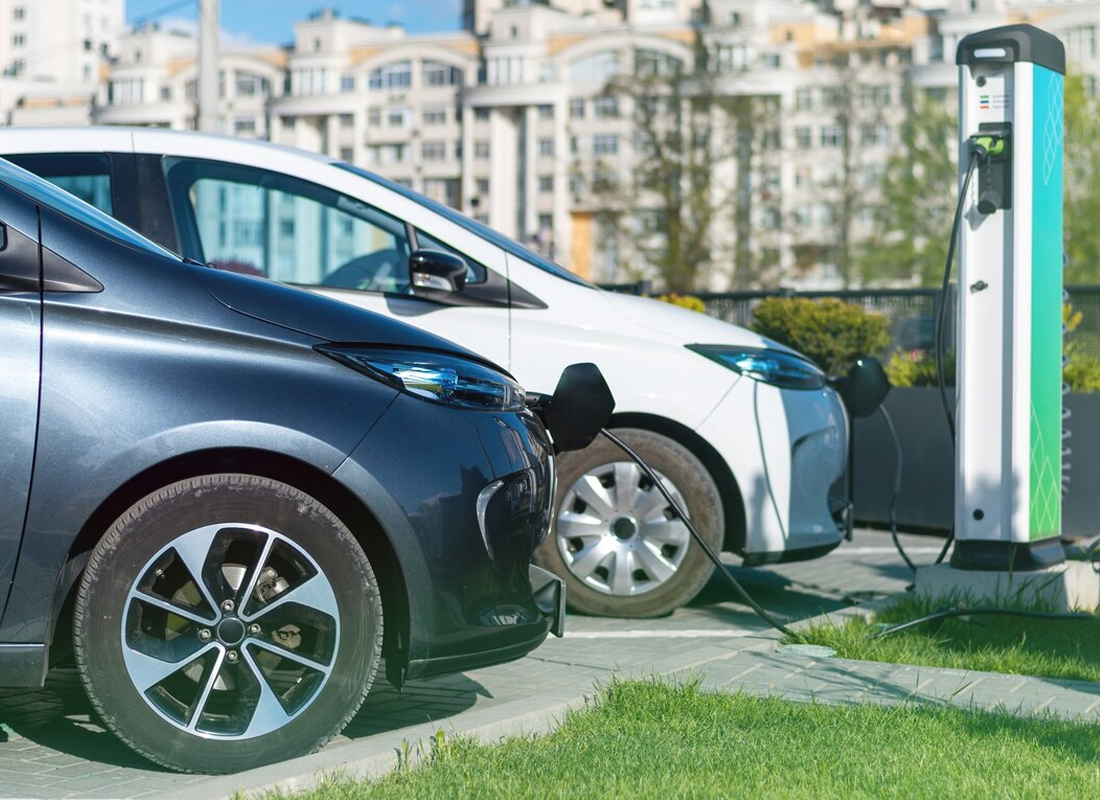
(75, 757)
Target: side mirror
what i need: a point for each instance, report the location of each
(864, 388)
(579, 408)
(433, 273)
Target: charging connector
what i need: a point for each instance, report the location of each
(991, 146)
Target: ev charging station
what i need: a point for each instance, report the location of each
(1008, 479)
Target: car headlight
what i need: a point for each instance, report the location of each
(440, 378)
(773, 367)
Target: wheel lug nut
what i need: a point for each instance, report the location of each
(231, 656)
(228, 606)
(204, 634)
(254, 628)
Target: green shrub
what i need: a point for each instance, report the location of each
(690, 302)
(829, 331)
(1082, 371)
(918, 368)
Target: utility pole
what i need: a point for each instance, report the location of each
(209, 17)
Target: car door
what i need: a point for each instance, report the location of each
(20, 370)
(267, 223)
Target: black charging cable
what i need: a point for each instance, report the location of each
(897, 488)
(732, 581)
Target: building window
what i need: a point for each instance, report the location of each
(771, 140)
(832, 136)
(874, 96)
(804, 99)
(347, 120)
(166, 93)
(546, 111)
(437, 74)
(546, 184)
(374, 117)
(597, 68)
(605, 106)
(936, 95)
(244, 125)
(392, 76)
(397, 117)
(481, 149)
(248, 85)
(1081, 42)
(803, 138)
(546, 148)
(546, 222)
(289, 122)
(436, 115)
(19, 12)
(482, 186)
(772, 61)
(481, 113)
(347, 83)
(605, 144)
(18, 40)
(576, 107)
(347, 154)
(803, 177)
(433, 151)
(877, 135)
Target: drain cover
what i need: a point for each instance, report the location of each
(809, 650)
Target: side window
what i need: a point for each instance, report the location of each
(263, 223)
(86, 175)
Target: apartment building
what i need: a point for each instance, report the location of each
(528, 118)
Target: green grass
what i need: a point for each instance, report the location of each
(655, 740)
(1043, 648)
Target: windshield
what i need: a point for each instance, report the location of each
(46, 194)
(484, 231)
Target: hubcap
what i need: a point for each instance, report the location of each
(231, 631)
(617, 533)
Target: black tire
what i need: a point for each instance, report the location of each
(234, 734)
(704, 507)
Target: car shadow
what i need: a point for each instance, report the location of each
(779, 594)
(81, 734)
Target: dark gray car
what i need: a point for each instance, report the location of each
(228, 498)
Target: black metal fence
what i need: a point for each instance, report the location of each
(911, 312)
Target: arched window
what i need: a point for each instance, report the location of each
(397, 75)
(596, 68)
(436, 73)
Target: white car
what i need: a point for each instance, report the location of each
(743, 430)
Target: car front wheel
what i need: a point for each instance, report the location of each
(226, 622)
(616, 541)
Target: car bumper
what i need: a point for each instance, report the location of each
(463, 512)
(785, 467)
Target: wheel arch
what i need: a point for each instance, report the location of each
(733, 505)
(359, 519)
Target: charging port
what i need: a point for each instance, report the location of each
(993, 143)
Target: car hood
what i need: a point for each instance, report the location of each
(318, 316)
(689, 327)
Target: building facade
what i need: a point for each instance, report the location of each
(543, 120)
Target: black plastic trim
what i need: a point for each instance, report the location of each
(1022, 43)
(23, 665)
(61, 275)
(20, 264)
(425, 667)
(787, 556)
(1004, 556)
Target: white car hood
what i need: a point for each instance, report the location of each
(687, 327)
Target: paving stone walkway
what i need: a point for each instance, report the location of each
(715, 639)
